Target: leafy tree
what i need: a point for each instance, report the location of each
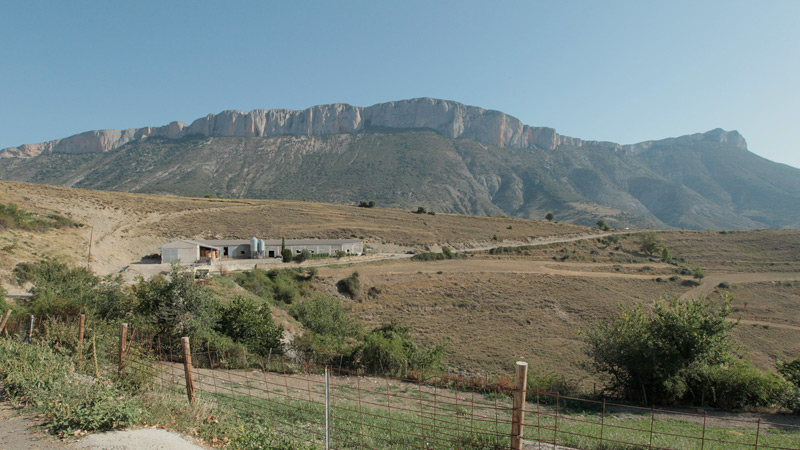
(57, 288)
(649, 355)
(286, 255)
(175, 304)
(251, 324)
(549, 217)
(651, 244)
(601, 224)
(420, 210)
(331, 334)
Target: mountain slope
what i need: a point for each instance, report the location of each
(442, 155)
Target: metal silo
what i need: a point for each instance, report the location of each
(254, 247)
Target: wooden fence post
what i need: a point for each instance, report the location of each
(187, 368)
(518, 411)
(123, 338)
(5, 319)
(81, 327)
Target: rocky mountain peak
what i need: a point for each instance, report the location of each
(447, 118)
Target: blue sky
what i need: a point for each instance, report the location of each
(622, 71)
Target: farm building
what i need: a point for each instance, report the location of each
(189, 251)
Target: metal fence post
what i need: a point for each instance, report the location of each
(187, 369)
(652, 422)
(518, 410)
(30, 330)
(327, 407)
(758, 430)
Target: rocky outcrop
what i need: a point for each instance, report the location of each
(716, 136)
(448, 118)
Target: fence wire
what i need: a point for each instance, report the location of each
(370, 412)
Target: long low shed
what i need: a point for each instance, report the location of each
(189, 251)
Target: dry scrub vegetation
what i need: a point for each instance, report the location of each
(496, 312)
(530, 303)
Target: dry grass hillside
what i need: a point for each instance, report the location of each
(125, 227)
(493, 307)
(532, 303)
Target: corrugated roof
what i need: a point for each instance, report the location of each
(188, 241)
(218, 243)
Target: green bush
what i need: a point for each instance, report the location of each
(389, 350)
(60, 290)
(251, 324)
(286, 255)
(12, 216)
(735, 386)
(699, 274)
(649, 353)
(349, 285)
(790, 370)
(176, 305)
(41, 378)
(326, 315)
(446, 253)
(98, 408)
(549, 382)
(281, 285)
(3, 305)
(302, 256)
(331, 335)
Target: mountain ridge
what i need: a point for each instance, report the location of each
(443, 155)
(448, 118)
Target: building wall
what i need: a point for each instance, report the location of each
(330, 249)
(241, 251)
(185, 255)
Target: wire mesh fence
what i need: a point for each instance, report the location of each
(339, 408)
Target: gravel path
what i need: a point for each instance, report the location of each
(144, 439)
(20, 431)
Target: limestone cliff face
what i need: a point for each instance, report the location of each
(448, 118)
